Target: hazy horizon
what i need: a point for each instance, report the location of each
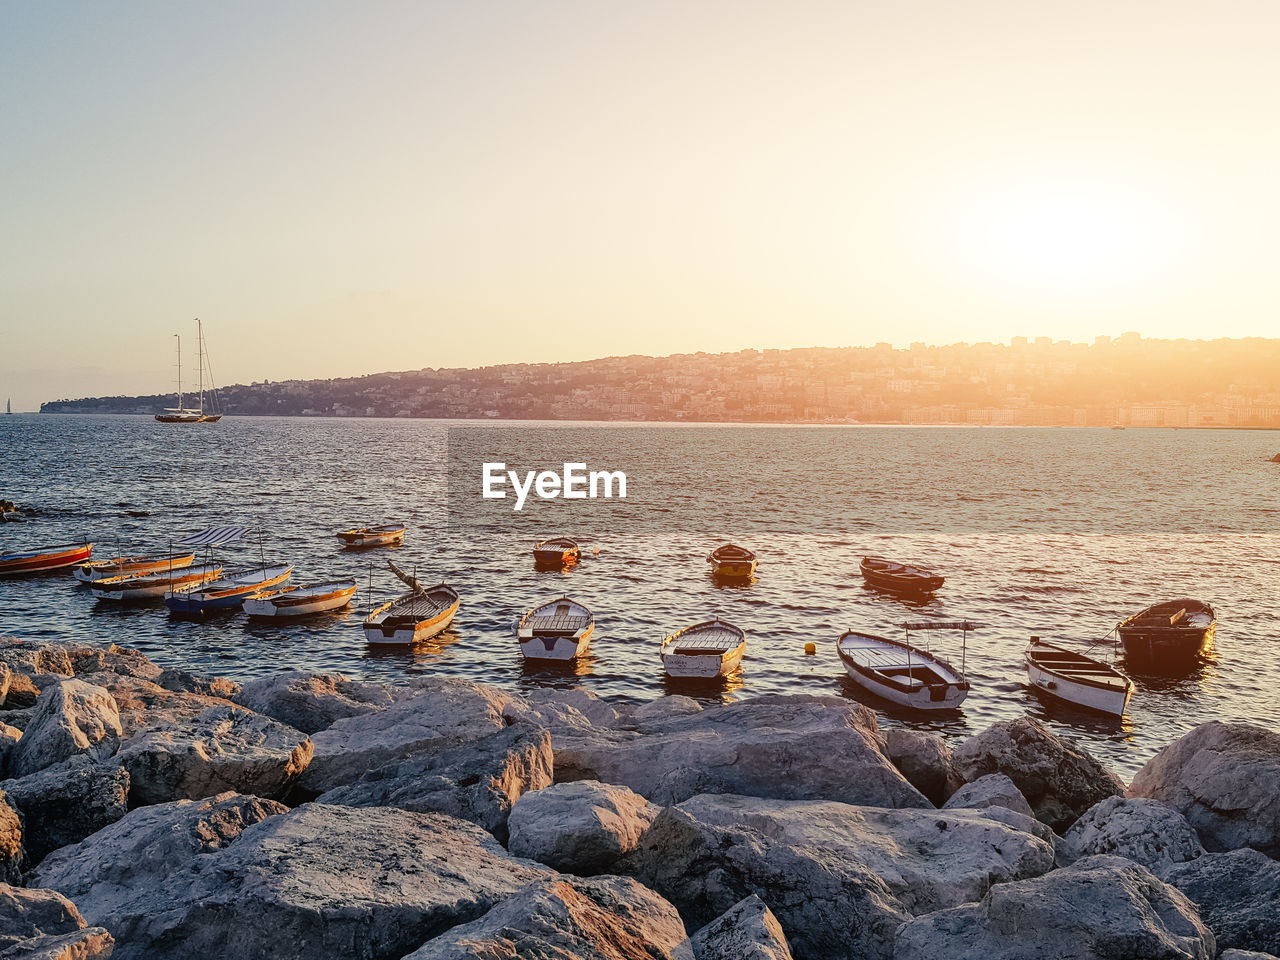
(338, 191)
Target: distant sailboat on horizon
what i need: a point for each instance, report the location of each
(8, 406)
(180, 413)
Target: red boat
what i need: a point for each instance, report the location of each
(44, 558)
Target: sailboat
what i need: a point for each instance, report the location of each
(8, 407)
(180, 413)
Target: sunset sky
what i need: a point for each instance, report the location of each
(338, 189)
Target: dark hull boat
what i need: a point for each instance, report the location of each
(1168, 634)
(732, 562)
(557, 552)
(902, 578)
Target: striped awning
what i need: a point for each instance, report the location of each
(214, 536)
(941, 625)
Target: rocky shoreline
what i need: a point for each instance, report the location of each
(149, 813)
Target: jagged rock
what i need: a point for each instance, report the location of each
(91, 943)
(318, 881)
(65, 803)
(789, 747)
(21, 692)
(9, 737)
(146, 705)
(1145, 831)
(597, 712)
(602, 918)
(113, 659)
(1020, 821)
(926, 762)
(435, 713)
(34, 656)
(1058, 779)
(313, 703)
(180, 681)
(224, 748)
(748, 931)
(1237, 894)
(840, 878)
(11, 848)
(117, 865)
(6, 677)
(477, 781)
(1099, 907)
(1225, 779)
(1246, 955)
(663, 708)
(72, 717)
(993, 790)
(580, 827)
(26, 913)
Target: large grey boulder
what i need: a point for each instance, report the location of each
(65, 803)
(145, 704)
(993, 790)
(1099, 907)
(790, 747)
(223, 748)
(432, 715)
(181, 681)
(113, 659)
(318, 881)
(11, 846)
(1145, 831)
(840, 878)
(116, 867)
(1237, 894)
(312, 703)
(553, 708)
(602, 918)
(580, 827)
(747, 931)
(926, 761)
(72, 717)
(479, 781)
(1225, 779)
(9, 737)
(1058, 779)
(91, 943)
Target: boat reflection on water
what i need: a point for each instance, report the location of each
(704, 689)
(722, 582)
(320, 622)
(1057, 713)
(411, 654)
(847, 688)
(916, 601)
(556, 674)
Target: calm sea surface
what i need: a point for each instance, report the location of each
(1055, 532)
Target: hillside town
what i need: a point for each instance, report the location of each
(1125, 381)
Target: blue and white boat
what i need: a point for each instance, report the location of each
(227, 592)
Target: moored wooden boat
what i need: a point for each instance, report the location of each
(153, 586)
(906, 578)
(904, 674)
(556, 630)
(40, 559)
(732, 561)
(418, 615)
(709, 649)
(387, 535)
(1077, 679)
(228, 591)
(131, 566)
(1169, 634)
(556, 552)
(301, 600)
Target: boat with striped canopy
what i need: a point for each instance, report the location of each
(154, 586)
(419, 615)
(1076, 679)
(40, 559)
(301, 600)
(559, 629)
(139, 566)
(227, 592)
(713, 648)
(904, 674)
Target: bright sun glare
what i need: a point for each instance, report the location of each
(1064, 238)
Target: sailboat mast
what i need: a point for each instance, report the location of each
(200, 359)
(179, 338)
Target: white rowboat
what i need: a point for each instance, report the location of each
(131, 566)
(415, 616)
(154, 586)
(1076, 679)
(707, 650)
(556, 630)
(901, 673)
(300, 601)
(384, 536)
